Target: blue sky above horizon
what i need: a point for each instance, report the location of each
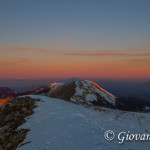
(103, 23)
(75, 26)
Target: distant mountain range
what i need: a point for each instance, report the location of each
(78, 91)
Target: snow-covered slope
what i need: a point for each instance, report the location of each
(43, 89)
(88, 91)
(49, 87)
(84, 91)
(60, 125)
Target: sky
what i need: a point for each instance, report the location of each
(74, 38)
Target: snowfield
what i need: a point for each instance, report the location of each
(61, 125)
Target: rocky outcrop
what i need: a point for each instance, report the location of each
(12, 115)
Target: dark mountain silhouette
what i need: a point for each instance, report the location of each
(6, 92)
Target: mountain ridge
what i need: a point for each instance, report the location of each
(82, 92)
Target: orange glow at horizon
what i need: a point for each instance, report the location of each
(79, 69)
(60, 65)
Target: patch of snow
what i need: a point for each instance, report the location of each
(39, 90)
(147, 108)
(60, 125)
(91, 97)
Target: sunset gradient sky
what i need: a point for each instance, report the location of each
(82, 38)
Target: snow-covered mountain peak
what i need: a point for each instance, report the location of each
(83, 91)
(96, 85)
(88, 92)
